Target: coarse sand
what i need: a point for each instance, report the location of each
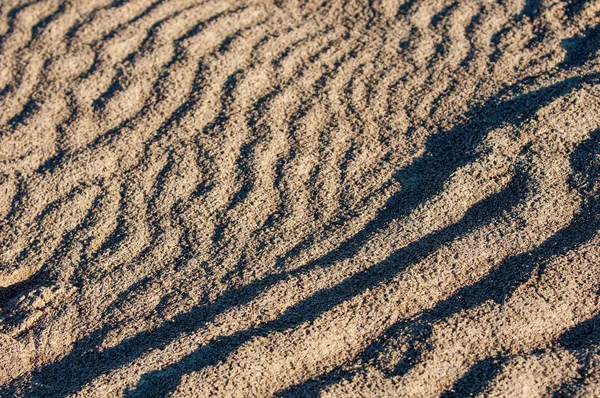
(299, 198)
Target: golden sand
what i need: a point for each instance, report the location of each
(299, 198)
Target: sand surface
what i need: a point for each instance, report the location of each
(299, 198)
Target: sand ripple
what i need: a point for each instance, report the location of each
(294, 198)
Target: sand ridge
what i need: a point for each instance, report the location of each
(299, 198)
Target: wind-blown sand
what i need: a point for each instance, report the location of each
(294, 198)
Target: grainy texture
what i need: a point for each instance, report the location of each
(299, 198)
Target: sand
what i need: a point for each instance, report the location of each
(299, 198)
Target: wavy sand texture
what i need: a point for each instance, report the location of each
(299, 198)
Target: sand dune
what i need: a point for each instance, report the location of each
(299, 198)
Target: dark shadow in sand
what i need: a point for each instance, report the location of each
(497, 286)
(581, 49)
(445, 153)
(439, 151)
(163, 381)
(583, 340)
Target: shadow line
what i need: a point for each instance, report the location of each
(445, 153)
(498, 286)
(162, 382)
